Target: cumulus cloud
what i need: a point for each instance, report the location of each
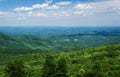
(53, 7)
(59, 8)
(35, 14)
(22, 9)
(83, 6)
(38, 6)
(45, 6)
(83, 9)
(110, 6)
(105, 11)
(63, 3)
(98, 8)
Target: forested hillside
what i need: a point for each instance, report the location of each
(103, 61)
(23, 41)
(59, 42)
(59, 52)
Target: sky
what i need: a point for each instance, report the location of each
(59, 12)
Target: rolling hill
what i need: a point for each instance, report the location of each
(102, 61)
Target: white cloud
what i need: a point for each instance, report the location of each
(38, 14)
(53, 7)
(107, 7)
(101, 12)
(83, 9)
(41, 14)
(83, 6)
(111, 6)
(63, 3)
(90, 8)
(83, 13)
(45, 6)
(38, 6)
(22, 9)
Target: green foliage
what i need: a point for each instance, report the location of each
(61, 69)
(88, 62)
(15, 69)
(78, 60)
(93, 74)
(49, 67)
(59, 42)
(96, 70)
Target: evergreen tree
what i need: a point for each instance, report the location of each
(49, 67)
(61, 70)
(15, 69)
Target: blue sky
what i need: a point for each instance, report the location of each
(59, 13)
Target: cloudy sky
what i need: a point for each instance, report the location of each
(59, 12)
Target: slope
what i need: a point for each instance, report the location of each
(80, 63)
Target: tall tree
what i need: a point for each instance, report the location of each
(61, 69)
(15, 69)
(49, 67)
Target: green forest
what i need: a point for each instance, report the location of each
(102, 61)
(71, 53)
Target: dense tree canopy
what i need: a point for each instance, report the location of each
(15, 69)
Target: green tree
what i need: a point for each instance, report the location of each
(15, 69)
(49, 67)
(96, 70)
(61, 69)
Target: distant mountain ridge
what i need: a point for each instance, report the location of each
(60, 42)
(8, 41)
(102, 33)
(23, 41)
